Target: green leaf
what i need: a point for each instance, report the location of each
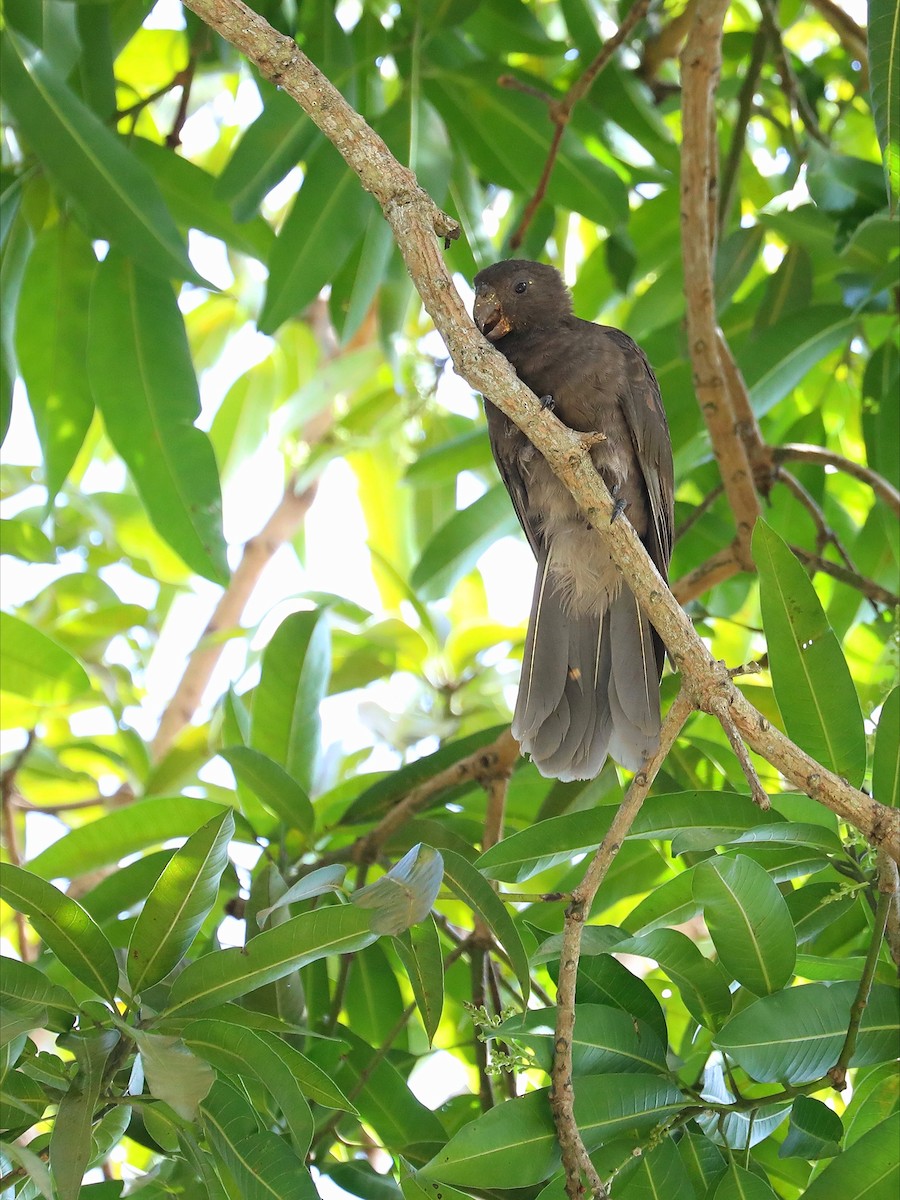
(602, 979)
(867, 1170)
(126, 831)
(270, 783)
(459, 543)
(263, 1165)
(51, 345)
(420, 951)
(315, 1083)
(473, 889)
(316, 883)
(173, 1073)
(703, 985)
(406, 893)
(149, 403)
(190, 193)
(285, 713)
(659, 1172)
(271, 955)
(514, 1145)
(318, 233)
(70, 1141)
(816, 1131)
(886, 763)
(37, 668)
(884, 67)
(607, 1040)
(23, 984)
(748, 921)
(795, 1036)
(880, 413)
(73, 936)
(384, 1099)
(776, 361)
(239, 1051)
(23, 540)
(740, 1184)
(810, 678)
(545, 844)
(91, 164)
(505, 133)
(179, 903)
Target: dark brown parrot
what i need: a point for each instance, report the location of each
(592, 661)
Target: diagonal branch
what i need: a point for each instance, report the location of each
(415, 220)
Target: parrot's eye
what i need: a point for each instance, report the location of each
(521, 287)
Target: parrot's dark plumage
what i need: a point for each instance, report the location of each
(592, 661)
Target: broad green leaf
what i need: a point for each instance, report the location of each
(319, 232)
(70, 1141)
(816, 1131)
(884, 66)
(815, 906)
(190, 193)
(514, 1145)
(703, 984)
(880, 414)
(263, 1165)
(285, 712)
(777, 360)
(90, 163)
(420, 951)
(23, 984)
(125, 831)
(61, 922)
(359, 1178)
(671, 903)
(270, 783)
(23, 540)
(314, 1082)
(812, 684)
(607, 1040)
(374, 1004)
(867, 1170)
(179, 903)
(238, 1051)
(384, 1099)
(721, 815)
(271, 955)
(795, 1036)
(505, 134)
(406, 893)
(602, 979)
(37, 668)
(736, 1128)
(51, 345)
(886, 764)
(748, 921)
(173, 1073)
(32, 1164)
(316, 883)
(387, 789)
(545, 844)
(459, 543)
(703, 1161)
(413, 1189)
(149, 403)
(876, 1095)
(740, 1184)
(473, 889)
(274, 143)
(659, 1172)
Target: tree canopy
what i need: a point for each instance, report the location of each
(284, 910)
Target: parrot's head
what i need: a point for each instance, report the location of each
(517, 295)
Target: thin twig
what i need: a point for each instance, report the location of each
(868, 587)
(792, 89)
(562, 1093)
(8, 796)
(838, 1073)
(560, 111)
(825, 535)
(757, 791)
(889, 883)
(823, 457)
(698, 511)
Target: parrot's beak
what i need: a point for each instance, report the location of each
(489, 316)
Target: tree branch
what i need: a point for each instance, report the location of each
(823, 457)
(562, 1093)
(415, 219)
(700, 65)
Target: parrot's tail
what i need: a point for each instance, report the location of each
(589, 685)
